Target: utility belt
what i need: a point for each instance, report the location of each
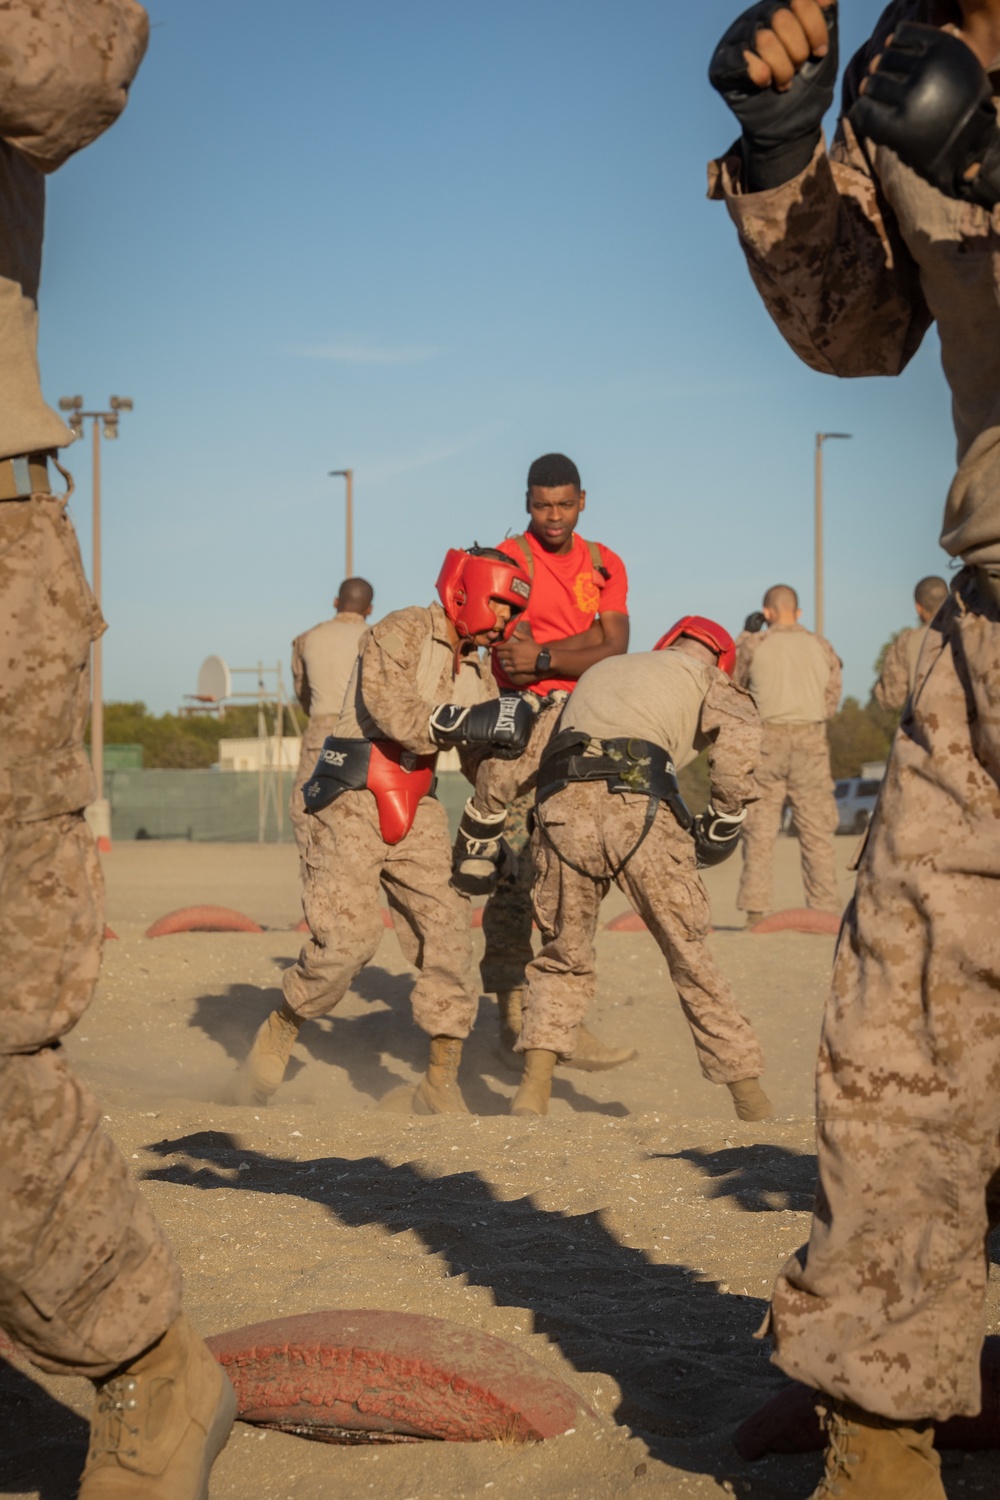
(625, 765)
(397, 778)
(23, 476)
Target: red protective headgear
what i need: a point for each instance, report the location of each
(709, 633)
(469, 580)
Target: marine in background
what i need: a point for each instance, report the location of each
(794, 677)
(322, 662)
(856, 248)
(609, 810)
(898, 676)
(374, 824)
(89, 1285)
(577, 615)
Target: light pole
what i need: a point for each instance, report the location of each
(348, 476)
(821, 438)
(106, 423)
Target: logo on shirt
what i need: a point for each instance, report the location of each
(586, 593)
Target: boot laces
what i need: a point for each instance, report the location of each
(838, 1454)
(117, 1409)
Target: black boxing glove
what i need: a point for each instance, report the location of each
(931, 102)
(716, 835)
(755, 622)
(502, 725)
(780, 130)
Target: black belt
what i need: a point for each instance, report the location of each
(624, 765)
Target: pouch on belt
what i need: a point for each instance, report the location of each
(397, 779)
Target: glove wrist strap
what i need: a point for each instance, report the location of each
(773, 166)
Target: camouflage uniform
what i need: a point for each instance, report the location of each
(322, 662)
(407, 666)
(87, 1279)
(854, 257)
(507, 915)
(899, 669)
(794, 678)
(670, 699)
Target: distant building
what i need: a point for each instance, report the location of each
(256, 755)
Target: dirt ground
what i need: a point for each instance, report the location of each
(628, 1241)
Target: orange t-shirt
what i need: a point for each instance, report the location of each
(567, 595)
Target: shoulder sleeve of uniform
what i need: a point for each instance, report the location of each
(65, 71)
(746, 647)
(400, 635)
(731, 724)
(614, 595)
(893, 685)
(835, 681)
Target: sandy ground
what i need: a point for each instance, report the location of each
(628, 1241)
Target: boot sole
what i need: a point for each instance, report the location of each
(594, 1065)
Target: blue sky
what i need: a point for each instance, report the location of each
(431, 242)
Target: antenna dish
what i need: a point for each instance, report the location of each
(214, 680)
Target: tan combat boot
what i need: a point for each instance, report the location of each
(750, 1100)
(509, 1004)
(871, 1458)
(591, 1055)
(438, 1092)
(532, 1098)
(261, 1074)
(160, 1423)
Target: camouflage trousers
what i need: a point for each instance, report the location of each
(312, 743)
(507, 914)
(886, 1303)
(347, 861)
(595, 829)
(87, 1279)
(794, 762)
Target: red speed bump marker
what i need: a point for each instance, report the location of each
(202, 919)
(626, 921)
(110, 936)
(788, 1422)
(800, 919)
(349, 1377)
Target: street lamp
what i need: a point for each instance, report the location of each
(821, 438)
(106, 424)
(348, 476)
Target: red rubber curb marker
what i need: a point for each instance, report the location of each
(202, 919)
(109, 936)
(800, 919)
(364, 1376)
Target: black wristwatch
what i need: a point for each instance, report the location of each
(543, 662)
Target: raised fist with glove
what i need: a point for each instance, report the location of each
(502, 725)
(716, 835)
(930, 100)
(776, 68)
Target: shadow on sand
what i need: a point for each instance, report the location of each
(361, 1044)
(681, 1351)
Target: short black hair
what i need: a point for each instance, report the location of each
(355, 595)
(930, 593)
(552, 471)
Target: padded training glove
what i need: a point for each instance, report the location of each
(716, 835)
(930, 101)
(780, 130)
(502, 725)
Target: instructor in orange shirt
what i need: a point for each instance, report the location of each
(577, 614)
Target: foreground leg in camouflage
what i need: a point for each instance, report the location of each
(886, 1309)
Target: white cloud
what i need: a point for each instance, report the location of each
(362, 352)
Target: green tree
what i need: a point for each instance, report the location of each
(176, 741)
(857, 734)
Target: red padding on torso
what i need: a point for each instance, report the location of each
(398, 781)
(202, 919)
(338, 1375)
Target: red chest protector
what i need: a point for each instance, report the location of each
(398, 779)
